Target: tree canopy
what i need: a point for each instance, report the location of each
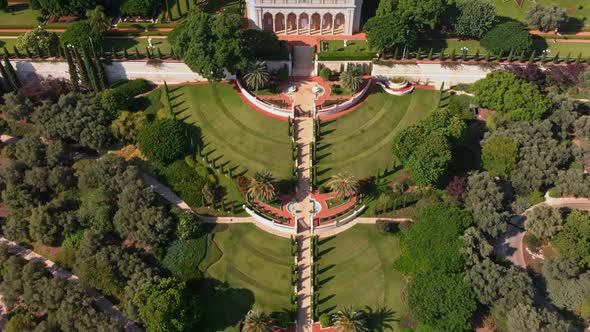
(499, 156)
(164, 140)
(386, 32)
(506, 37)
(475, 19)
(507, 94)
(209, 44)
(421, 13)
(82, 34)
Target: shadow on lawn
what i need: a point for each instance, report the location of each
(223, 306)
(380, 319)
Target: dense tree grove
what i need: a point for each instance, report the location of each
(484, 200)
(47, 303)
(507, 37)
(386, 32)
(546, 17)
(544, 222)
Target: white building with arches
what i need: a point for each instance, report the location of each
(306, 17)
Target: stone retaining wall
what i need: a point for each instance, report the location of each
(270, 223)
(432, 73)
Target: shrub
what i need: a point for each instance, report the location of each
(164, 140)
(189, 226)
(325, 320)
(184, 181)
(383, 226)
(326, 74)
(127, 126)
(143, 8)
(546, 18)
(40, 38)
(283, 74)
(133, 88)
(184, 256)
(532, 242)
(506, 37)
(82, 34)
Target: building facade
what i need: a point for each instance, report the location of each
(306, 17)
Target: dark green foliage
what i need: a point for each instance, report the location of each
(75, 118)
(188, 227)
(164, 140)
(443, 302)
(263, 44)
(74, 77)
(3, 4)
(574, 240)
(208, 44)
(514, 97)
(143, 8)
(499, 156)
(433, 242)
(567, 286)
(421, 13)
(544, 222)
(504, 37)
(168, 306)
(184, 181)
(96, 211)
(425, 148)
(64, 8)
(326, 73)
(11, 79)
(16, 107)
(384, 33)
(546, 18)
(184, 256)
(525, 317)
(82, 34)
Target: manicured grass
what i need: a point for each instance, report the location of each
(130, 44)
(355, 49)
(19, 16)
(356, 269)
(361, 142)
(256, 267)
(233, 133)
(509, 8)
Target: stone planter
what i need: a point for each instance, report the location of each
(400, 85)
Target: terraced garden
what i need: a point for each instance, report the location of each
(360, 142)
(356, 269)
(255, 267)
(234, 135)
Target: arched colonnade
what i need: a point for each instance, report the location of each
(305, 23)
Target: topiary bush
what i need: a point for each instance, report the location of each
(164, 141)
(326, 74)
(325, 320)
(506, 37)
(184, 256)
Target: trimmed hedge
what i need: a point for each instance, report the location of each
(164, 141)
(184, 256)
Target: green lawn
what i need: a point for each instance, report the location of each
(255, 267)
(356, 269)
(130, 44)
(19, 16)
(234, 134)
(354, 50)
(361, 141)
(509, 8)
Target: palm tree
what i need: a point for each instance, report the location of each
(257, 321)
(257, 75)
(343, 185)
(262, 187)
(98, 18)
(351, 79)
(350, 320)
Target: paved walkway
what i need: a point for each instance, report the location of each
(511, 246)
(101, 302)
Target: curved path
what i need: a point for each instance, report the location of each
(511, 245)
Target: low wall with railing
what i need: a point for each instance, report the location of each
(433, 73)
(282, 112)
(347, 104)
(341, 222)
(270, 223)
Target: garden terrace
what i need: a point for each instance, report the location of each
(234, 135)
(367, 133)
(281, 216)
(257, 269)
(332, 212)
(355, 268)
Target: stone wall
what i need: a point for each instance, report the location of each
(432, 73)
(171, 72)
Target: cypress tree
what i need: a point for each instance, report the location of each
(38, 51)
(453, 55)
(16, 52)
(567, 58)
(5, 78)
(82, 69)
(102, 75)
(29, 54)
(556, 58)
(188, 5)
(532, 58)
(488, 56)
(113, 53)
(510, 55)
(91, 68)
(74, 78)
(543, 57)
(61, 51)
(49, 51)
(579, 58)
(159, 53)
(168, 10)
(476, 56)
(174, 56)
(441, 56)
(6, 51)
(137, 55)
(125, 54)
(14, 81)
(419, 53)
(178, 8)
(395, 53)
(147, 52)
(430, 54)
(521, 58)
